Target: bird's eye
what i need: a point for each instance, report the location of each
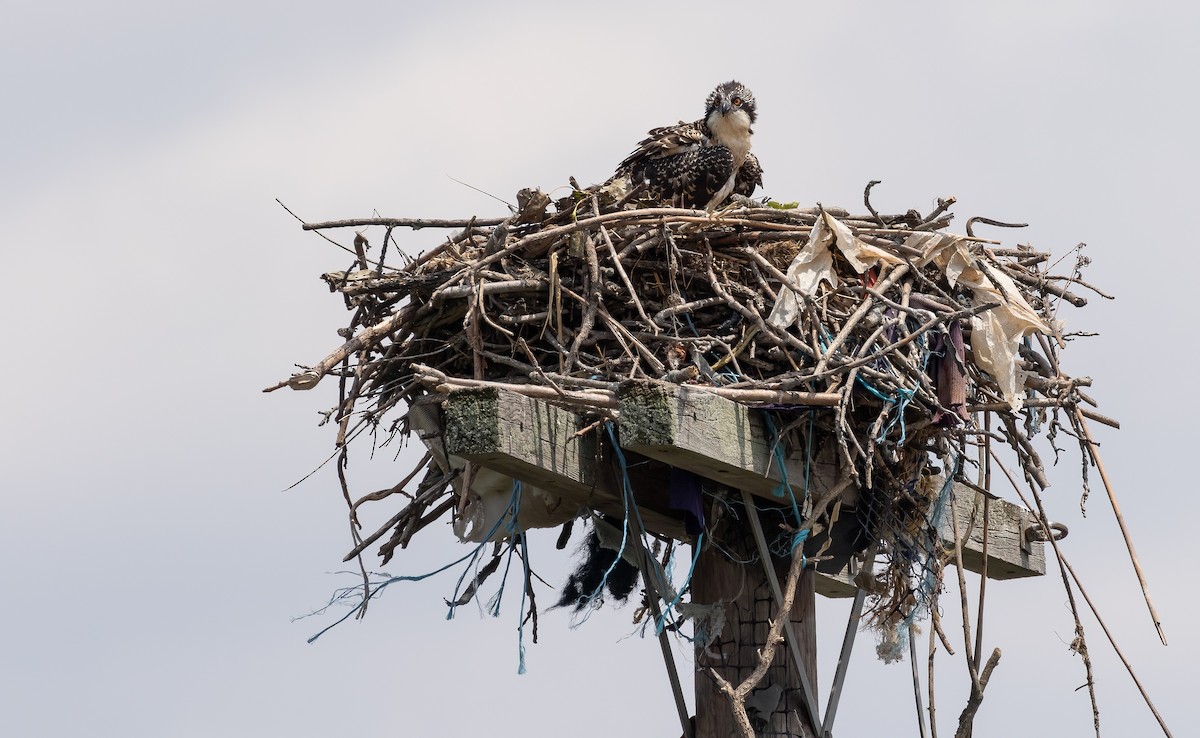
(737, 101)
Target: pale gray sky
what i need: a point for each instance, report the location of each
(152, 560)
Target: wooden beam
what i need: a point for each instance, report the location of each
(727, 442)
(541, 445)
(524, 438)
(536, 442)
(1010, 555)
(709, 435)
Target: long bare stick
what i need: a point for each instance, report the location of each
(966, 720)
(620, 269)
(929, 678)
(985, 480)
(1094, 450)
(414, 223)
(912, 659)
(1161, 723)
(979, 679)
(962, 593)
(1080, 638)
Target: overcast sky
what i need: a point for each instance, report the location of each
(153, 561)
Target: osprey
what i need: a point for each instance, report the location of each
(700, 164)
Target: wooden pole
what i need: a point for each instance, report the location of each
(749, 605)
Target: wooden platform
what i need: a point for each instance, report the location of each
(720, 440)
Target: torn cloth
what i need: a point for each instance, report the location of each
(947, 369)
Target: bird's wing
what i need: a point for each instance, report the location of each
(749, 176)
(665, 141)
(693, 177)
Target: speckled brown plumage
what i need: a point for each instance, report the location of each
(700, 164)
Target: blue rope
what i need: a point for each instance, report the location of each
(903, 396)
(663, 618)
(688, 316)
(935, 518)
(473, 555)
(512, 529)
(939, 506)
(513, 509)
(630, 503)
(516, 537)
(626, 494)
(521, 612)
(785, 485)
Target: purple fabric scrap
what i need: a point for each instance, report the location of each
(684, 495)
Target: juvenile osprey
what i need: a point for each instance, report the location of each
(700, 164)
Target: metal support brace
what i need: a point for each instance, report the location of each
(839, 676)
(664, 642)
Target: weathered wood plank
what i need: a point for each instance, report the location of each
(531, 440)
(1009, 555)
(537, 443)
(712, 436)
(727, 442)
(524, 438)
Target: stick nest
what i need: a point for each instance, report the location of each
(888, 335)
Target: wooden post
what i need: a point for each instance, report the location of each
(743, 592)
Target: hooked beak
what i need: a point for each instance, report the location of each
(725, 107)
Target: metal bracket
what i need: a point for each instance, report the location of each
(1037, 533)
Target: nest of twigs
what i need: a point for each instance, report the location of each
(912, 330)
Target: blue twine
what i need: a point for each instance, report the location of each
(513, 509)
(630, 503)
(688, 316)
(626, 485)
(662, 618)
(473, 555)
(785, 485)
(901, 399)
(516, 535)
(939, 506)
(513, 531)
(626, 495)
(929, 581)
(521, 612)
(935, 520)
(824, 338)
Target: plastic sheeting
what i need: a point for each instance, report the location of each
(488, 504)
(996, 334)
(814, 265)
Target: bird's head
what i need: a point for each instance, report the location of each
(730, 99)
